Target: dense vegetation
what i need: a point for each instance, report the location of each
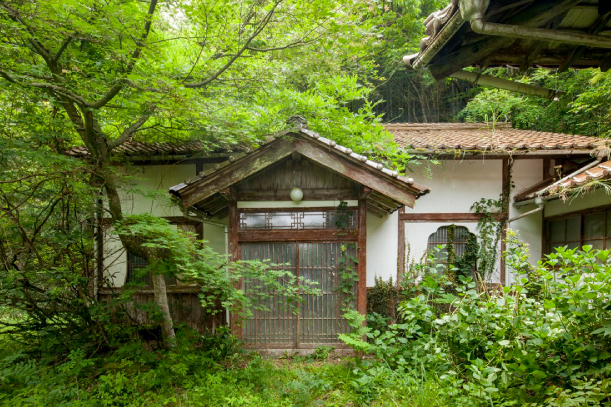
(228, 73)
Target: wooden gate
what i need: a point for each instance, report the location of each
(317, 320)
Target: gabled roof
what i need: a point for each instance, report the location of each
(453, 42)
(550, 189)
(390, 190)
(480, 138)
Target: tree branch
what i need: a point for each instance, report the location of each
(127, 133)
(112, 92)
(239, 53)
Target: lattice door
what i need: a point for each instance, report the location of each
(319, 318)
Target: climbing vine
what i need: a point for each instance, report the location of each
(466, 264)
(490, 230)
(347, 260)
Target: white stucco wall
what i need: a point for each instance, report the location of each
(525, 174)
(382, 247)
(457, 184)
(146, 191)
(589, 200)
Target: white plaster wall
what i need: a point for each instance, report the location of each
(147, 190)
(529, 229)
(115, 259)
(382, 247)
(591, 199)
(457, 184)
(214, 235)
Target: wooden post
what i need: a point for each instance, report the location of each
(361, 290)
(234, 251)
(401, 242)
(506, 191)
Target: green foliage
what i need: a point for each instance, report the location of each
(191, 261)
(193, 376)
(489, 235)
(542, 341)
(585, 108)
(382, 301)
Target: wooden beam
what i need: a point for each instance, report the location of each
(599, 25)
(304, 235)
(309, 194)
(445, 217)
(534, 16)
(234, 255)
(361, 287)
(377, 211)
(401, 246)
(378, 181)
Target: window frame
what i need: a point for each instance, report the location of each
(547, 221)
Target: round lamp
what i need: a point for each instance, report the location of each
(296, 194)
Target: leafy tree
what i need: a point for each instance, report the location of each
(100, 74)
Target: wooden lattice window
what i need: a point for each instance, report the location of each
(298, 220)
(135, 274)
(442, 236)
(590, 228)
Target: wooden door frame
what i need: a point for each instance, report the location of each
(358, 235)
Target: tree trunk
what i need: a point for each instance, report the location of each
(134, 246)
(161, 299)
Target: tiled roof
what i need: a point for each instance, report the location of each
(480, 137)
(599, 172)
(139, 148)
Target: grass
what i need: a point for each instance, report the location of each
(134, 376)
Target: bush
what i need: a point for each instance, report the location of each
(546, 340)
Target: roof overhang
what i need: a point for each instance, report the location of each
(523, 33)
(390, 191)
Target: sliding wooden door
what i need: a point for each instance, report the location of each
(317, 320)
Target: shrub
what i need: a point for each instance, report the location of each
(545, 340)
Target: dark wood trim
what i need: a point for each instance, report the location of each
(547, 163)
(361, 291)
(172, 289)
(296, 209)
(312, 194)
(515, 155)
(506, 192)
(446, 217)
(401, 245)
(174, 220)
(545, 225)
(303, 235)
(235, 323)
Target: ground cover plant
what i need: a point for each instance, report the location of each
(544, 340)
(195, 374)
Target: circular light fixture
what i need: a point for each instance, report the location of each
(296, 194)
